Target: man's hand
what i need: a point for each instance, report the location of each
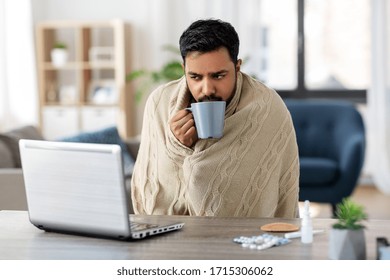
(183, 127)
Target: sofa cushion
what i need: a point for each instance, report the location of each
(317, 171)
(10, 140)
(108, 135)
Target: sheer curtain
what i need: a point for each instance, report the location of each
(379, 95)
(18, 86)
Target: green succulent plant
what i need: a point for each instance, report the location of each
(350, 215)
(59, 45)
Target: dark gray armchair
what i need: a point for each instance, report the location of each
(331, 142)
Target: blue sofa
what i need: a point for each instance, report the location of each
(331, 142)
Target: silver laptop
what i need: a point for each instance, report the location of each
(79, 188)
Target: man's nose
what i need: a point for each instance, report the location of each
(208, 87)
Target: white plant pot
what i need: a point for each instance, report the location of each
(59, 57)
(347, 244)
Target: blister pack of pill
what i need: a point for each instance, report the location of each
(261, 242)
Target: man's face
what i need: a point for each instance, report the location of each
(211, 75)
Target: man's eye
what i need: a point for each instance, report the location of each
(219, 76)
(196, 78)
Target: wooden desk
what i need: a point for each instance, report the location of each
(201, 238)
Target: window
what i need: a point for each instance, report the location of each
(316, 48)
(279, 43)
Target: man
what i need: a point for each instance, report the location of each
(252, 171)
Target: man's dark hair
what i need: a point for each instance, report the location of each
(209, 35)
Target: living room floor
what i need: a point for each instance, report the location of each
(376, 203)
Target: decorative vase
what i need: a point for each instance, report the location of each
(347, 244)
(59, 57)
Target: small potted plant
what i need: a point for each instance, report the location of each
(346, 239)
(59, 54)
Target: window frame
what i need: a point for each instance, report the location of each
(301, 91)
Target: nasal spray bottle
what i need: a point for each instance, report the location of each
(306, 225)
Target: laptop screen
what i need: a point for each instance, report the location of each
(75, 187)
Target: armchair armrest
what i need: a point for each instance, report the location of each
(352, 153)
(351, 162)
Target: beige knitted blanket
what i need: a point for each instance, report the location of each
(252, 171)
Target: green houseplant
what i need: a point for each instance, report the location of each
(59, 45)
(172, 70)
(346, 239)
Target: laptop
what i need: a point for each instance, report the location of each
(79, 188)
